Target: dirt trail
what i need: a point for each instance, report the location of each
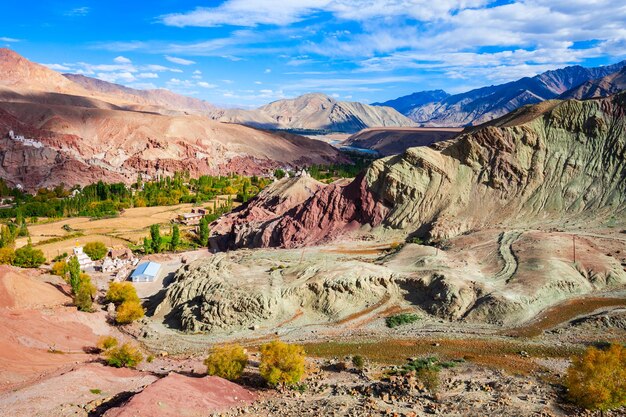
(506, 241)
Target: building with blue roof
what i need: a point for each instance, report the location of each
(146, 272)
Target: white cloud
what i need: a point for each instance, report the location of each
(258, 82)
(58, 67)
(249, 13)
(204, 84)
(267, 70)
(197, 72)
(116, 77)
(122, 60)
(148, 75)
(78, 11)
(9, 40)
(180, 61)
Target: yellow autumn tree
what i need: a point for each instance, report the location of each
(282, 363)
(597, 379)
(227, 362)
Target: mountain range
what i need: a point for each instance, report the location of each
(77, 131)
(316, 112)
(487, 103)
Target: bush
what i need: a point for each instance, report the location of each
(400, 319)
(107, 342)
(281, 363)
(29, 257)
(427, 371)
(60, 268)
(227, 362)
(597, 380)
(7, 256)
(120, 292)
(125, 356)
(128, 311)
(358, 362)
(95, 250)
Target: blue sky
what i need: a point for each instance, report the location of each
(249, 52)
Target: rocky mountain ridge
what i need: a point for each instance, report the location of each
(90, 131)
(554, 160)
(487, 103)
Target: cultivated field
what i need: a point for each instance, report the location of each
(129, 228)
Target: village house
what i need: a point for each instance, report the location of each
(193, 218)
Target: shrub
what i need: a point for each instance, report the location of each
(128, 312)
(95, 250)
(358, 362)
(400, 319)
(125, 356)
(60, 268)
(597, 380)
(120, 292)
(28, 257)
(227, 362)
(427, 371)
(281, 363)
(7, 256)
(107, 342)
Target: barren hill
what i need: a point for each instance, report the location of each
(77, 134)
(391, 141)
(554, 161)
(316, 112)
(160, 98)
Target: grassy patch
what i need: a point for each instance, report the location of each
(400, 319)
(496, 354)
(95, 391)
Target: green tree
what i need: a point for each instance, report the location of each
(279, 173)
(597, 380)
(175, 240)
(28, 257)
(73, 269)
(155, 237)
(96, 250)
(281, 363)
(147, 246)
(227, 362)
(203, 231)
(83, 297)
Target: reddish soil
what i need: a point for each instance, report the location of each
(178, 395)
(563, 313)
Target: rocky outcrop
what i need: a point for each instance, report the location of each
(556, 160)
(471, 280)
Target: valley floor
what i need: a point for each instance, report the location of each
(500, 370)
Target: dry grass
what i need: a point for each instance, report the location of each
(497, 354)
(130, 227)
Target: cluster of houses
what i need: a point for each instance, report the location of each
(120, 261)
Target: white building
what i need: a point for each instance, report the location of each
(83, 259)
